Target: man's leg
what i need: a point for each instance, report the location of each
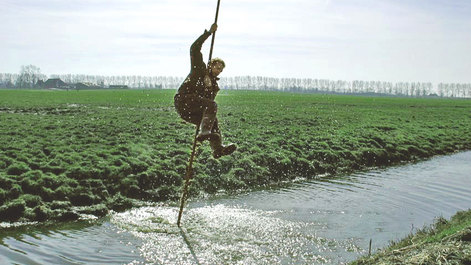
(188, 108)
(207, 121)
(199, 111)
(216, 143)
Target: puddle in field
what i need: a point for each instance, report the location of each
(44, 111)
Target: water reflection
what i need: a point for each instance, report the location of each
(67, 243)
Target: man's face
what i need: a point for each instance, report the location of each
(217, 68)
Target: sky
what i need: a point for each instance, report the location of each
(382, 40)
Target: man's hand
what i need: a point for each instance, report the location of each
(207, 81)
(213, 28)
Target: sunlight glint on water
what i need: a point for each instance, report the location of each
(220, 234)
(325, 221)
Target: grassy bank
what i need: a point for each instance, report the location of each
(65, 153)
(445, 242)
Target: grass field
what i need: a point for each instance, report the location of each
(70, 152)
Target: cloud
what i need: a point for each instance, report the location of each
(359, 39)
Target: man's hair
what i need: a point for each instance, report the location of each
(217, 60)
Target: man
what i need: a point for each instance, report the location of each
(194, 100)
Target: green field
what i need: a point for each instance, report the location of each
(69, 152)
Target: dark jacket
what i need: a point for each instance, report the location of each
(193, 83)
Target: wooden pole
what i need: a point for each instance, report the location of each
(369, 248)
(189, 167)
(214, 34)
(188, 176)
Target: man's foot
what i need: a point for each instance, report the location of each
(224, 151)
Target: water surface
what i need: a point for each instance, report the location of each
(326, 221)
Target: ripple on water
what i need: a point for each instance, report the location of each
(219, 234)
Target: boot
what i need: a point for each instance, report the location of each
(221, 150)
(205, 128)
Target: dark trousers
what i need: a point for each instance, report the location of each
(191, 109)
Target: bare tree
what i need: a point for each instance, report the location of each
(29, 76)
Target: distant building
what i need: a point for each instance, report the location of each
(119, 87)
(55, 83)
(85, 85)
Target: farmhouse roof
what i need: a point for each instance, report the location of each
(54, 82)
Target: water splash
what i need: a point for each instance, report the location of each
(219, 234)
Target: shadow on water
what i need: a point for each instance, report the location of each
(188, 244)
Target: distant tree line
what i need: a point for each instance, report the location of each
(30, 75)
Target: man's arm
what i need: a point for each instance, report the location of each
(195, 49)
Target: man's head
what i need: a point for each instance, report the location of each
(216, 66)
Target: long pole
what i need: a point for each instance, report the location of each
(214, 33)
(188, 176)
(189, 167)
